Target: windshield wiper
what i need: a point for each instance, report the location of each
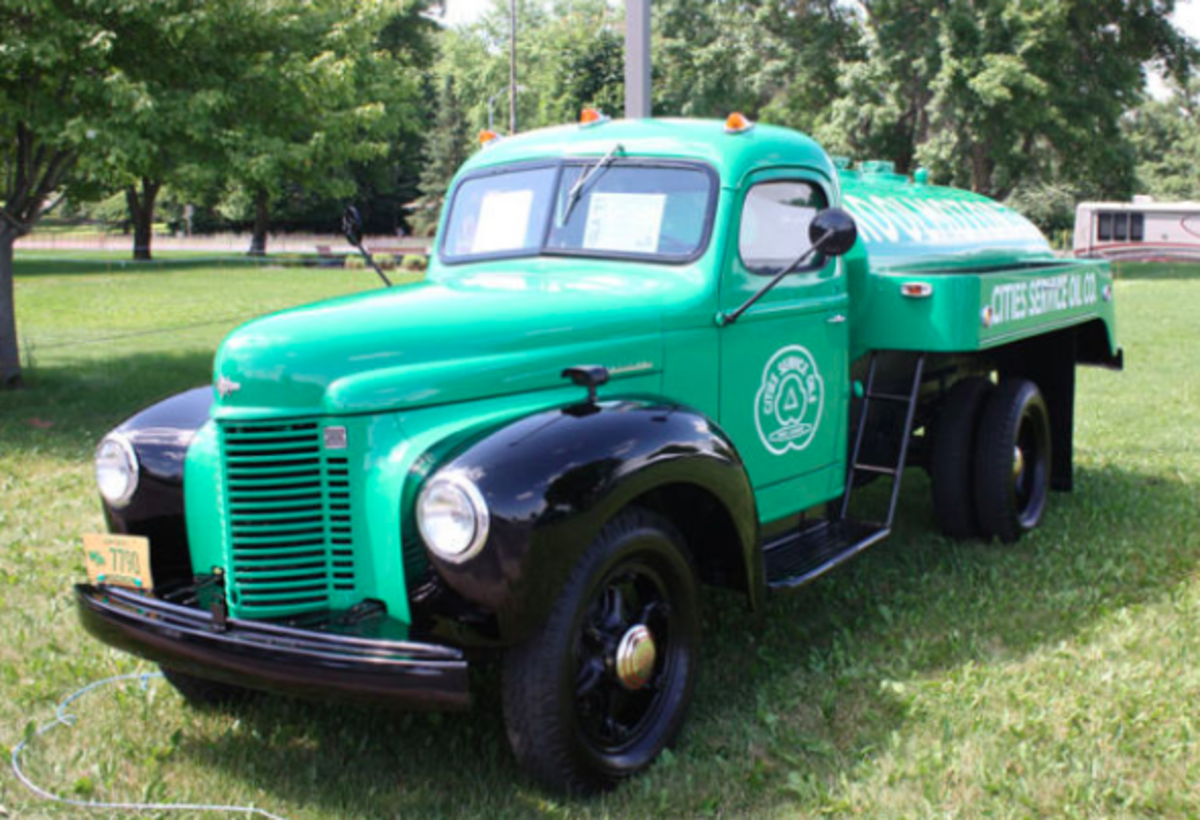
(576, 192)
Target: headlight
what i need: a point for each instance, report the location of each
(116, 469)
(453, 517)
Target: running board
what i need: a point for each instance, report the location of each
(816, 548)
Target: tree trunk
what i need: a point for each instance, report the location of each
(262, 217)
(141, 210)
(10, 353)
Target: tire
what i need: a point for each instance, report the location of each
(953, 458)
(575, 720)
(206, 694)
(1012, 461)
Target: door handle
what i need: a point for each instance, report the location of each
(836, 319)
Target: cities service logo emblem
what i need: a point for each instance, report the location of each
(787, 409)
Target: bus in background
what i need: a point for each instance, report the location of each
(1142, 231)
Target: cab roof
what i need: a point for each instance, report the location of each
(732, 155)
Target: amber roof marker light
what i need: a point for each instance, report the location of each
(738, 123)
(589, 117)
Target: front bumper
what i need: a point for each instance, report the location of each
(273, 657)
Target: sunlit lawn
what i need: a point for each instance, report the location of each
(1059, 677)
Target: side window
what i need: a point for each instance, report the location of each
(1137, 227)
(775, 219)
(1121, 227)
(1104, 227)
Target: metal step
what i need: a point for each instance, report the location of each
(875, 468)
(816, 548)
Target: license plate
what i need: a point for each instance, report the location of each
(118, 560)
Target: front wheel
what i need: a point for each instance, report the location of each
(603, 687)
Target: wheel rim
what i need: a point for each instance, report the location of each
(626, 654)
(1030, 468)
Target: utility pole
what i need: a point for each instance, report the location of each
(637, 59)
(512, 67)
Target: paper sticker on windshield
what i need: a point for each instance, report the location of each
(503, 221)
(626, 223)
(787, 409)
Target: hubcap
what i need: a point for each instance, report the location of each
(625, 659)
(1018, 462)
(636, 655)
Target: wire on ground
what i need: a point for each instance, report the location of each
(63, 718)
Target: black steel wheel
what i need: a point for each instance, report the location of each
(1012, 461)
(952, 460)
(206, 694)
(604, 686)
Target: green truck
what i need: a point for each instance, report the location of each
(649, 356)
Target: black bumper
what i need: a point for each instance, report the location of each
(272, 657)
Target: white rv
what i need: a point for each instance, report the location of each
(1143, 230)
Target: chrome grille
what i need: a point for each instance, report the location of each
(290, 523)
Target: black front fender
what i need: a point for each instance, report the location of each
(160, 435)
(553, 479)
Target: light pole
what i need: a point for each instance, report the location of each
(637, 59)
(512, 66)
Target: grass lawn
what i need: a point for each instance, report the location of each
(1058, 677)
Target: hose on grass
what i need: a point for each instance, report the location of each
(64, 718)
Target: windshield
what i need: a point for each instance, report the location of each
(636, 210)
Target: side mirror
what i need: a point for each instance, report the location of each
(352, 226)
(832, 232)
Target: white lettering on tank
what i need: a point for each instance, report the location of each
(937, 222)
(1031, 298)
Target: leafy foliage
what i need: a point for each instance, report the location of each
(446, 149)
(989, 94)
(1166, 139)
(331, 86)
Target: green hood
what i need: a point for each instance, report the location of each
(506, 329)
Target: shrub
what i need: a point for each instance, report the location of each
(385, 260)
(354, 262)
(414, 261)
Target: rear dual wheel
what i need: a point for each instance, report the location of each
(991, 459)
(597, 694)
(1012, 461)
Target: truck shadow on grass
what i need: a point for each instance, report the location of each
(788, 705)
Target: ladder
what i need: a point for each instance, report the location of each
(820, 545)
(856, 464)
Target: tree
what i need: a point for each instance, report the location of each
(177, 60)
(707, 55)
(57, 77)
(882, 108)
(447, 147)
(326, 96)
(1166, 140)
(988, 94)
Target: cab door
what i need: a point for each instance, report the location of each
(784, 368)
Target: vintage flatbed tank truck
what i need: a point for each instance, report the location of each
(628, 373)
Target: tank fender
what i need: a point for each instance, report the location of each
(552, 480)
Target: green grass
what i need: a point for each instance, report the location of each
(1057, 677)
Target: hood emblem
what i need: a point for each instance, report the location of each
(227, 387)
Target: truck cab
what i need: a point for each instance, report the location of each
(648, 356)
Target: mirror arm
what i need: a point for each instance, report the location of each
(371, 261)
(728, 317)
